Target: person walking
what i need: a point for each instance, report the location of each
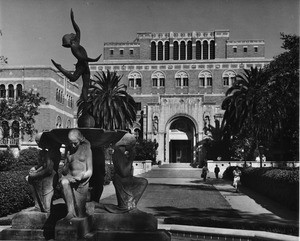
(236, 178)
(204, 172)
(217, 170)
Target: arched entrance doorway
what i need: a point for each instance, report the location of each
(181, 137)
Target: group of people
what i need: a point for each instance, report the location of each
(77, 171)
(236, 175)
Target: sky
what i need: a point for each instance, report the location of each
(32, 29)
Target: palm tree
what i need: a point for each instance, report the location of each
(109, 103)
(241, 102)
(250, 109)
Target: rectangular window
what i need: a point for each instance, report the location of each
(138, 106)
(255, 49)
(131, 83)
(121, 51)
(154, 82)
(226, 81)
(185, 82)
(131, 51)
(234, 49)
(111, 52)
(138, 83)
(245, 49)
(162, 82)
(202, 81)
(178, 82)
(209, 81)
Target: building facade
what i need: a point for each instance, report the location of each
(179, 81)
(58, 111)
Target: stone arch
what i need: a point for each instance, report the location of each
(181, 137)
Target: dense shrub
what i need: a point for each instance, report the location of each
(109, 173)
(6, 160)
(280, 184)
(14, 192)
(146, 150)
(28, 158)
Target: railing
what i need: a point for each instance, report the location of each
(9, 142)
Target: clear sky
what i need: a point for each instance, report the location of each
(32, 29)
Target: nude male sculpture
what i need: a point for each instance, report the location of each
(77, 172)
(43, 178)
(82, 68)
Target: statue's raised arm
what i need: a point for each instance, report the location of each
(76, 28)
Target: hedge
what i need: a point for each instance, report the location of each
(280, 184)
(6, 160)
(14, 192)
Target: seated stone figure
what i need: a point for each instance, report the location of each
(43, 177)
(129, 189)
(77, 172)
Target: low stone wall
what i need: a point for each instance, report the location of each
(224, 164)
(140, 167)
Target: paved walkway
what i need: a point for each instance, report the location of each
(181, 192)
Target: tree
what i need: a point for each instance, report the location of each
(109, 103)
(23, 110)
(283, 90)
(242, 105)
(263, 104)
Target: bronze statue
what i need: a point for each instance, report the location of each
(43, 177)
(129, 188)
(82, 68)
(77, 172)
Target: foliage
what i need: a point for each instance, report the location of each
(23, 109)
(27, 158)
(6, 160)
(146, 150)
(109, 103)
(263, 104)
(228, 173)
(14, 192)
(109, 173)
(290, 229)
(280, 184)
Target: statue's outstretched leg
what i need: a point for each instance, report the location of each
(71, 76)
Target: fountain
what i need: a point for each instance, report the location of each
(82, 216)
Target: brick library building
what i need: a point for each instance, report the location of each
(58, 111)
(179, 80)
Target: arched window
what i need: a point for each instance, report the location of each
(11, 91)
(2, 91)
(175, 51)
(68, 124)
(153, 51)
(228, 78)
(15, 127)
(189, 50)
(158, 79)
(58, 122)
(182, 79)
(205, 79)
(198, 50)
(182, 50)
(19, 91)
(167, 50)
(205, 49)
(212, 49)
(134, 80)
(160, 50)
(5, 127)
